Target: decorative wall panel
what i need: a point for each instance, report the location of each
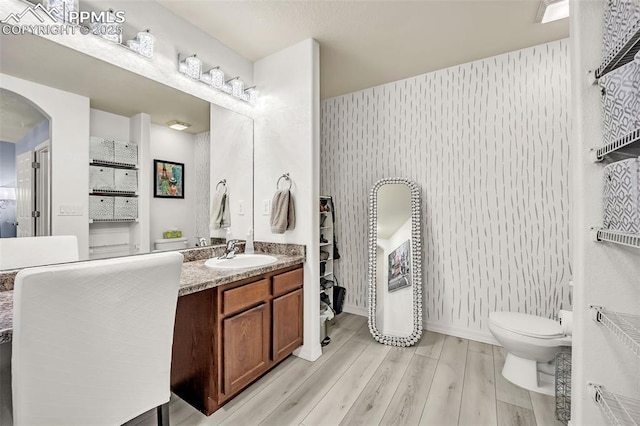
(488, 144)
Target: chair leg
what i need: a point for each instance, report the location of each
(163, 414)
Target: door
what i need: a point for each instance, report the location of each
(24, 194)
(245, 339)
(41, 190)
(287, 324)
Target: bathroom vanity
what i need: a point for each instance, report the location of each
(231, 327)
(228, 336)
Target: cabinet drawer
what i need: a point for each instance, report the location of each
(239, 298)
(288, 281)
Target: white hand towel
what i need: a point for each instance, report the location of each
(283, 215)
(220, 214)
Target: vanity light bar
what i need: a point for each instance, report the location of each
(191, 66)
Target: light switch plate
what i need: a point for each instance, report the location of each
(70, 210)
(266, 207)
(241, 207)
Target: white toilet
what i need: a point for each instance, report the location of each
(531, 342)
(165, 244)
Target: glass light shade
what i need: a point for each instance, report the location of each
(206, 78)
(134, 45)
(237, 88)
(108, 29)
(193, 67)
(147, 43)
(60, 9)
(217, 78)
(253, 95)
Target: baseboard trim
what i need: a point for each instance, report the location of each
(465, 333)
(356, 310)
(309, 353)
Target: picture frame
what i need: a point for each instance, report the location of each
(400, 267)
(168, 179)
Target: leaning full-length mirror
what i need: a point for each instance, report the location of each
(395, 281)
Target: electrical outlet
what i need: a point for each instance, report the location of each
(241, 207)
(266, 207)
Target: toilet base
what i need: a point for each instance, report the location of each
(524, 373)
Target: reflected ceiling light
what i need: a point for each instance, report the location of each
(552, 10)
(178, 125)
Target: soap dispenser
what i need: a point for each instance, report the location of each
(248, 247)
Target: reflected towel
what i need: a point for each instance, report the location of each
(283, 215)
(220, 214)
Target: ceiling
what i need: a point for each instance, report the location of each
(110, 88)
(368, 43)
(17, 116)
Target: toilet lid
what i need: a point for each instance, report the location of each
(525, 324)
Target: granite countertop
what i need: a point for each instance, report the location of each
(195, 277)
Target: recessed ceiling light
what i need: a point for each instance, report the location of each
(178, 125)
(552, 10)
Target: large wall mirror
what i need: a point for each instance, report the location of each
(53, 100)
(395, 269)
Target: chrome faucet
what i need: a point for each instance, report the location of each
(230, 251)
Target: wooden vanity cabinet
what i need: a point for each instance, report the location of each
(227, 337)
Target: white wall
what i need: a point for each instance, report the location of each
(231, 154)
(107, 125)
(287, 140)
(605, 274)
(165, 213)
(487, 143)
(69, 114)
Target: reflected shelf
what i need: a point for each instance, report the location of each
(113, 164)
(620, 410)
(625, 327)
(112, 220)
(626, 147)
(617, 237)
(622, 54)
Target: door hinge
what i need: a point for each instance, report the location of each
(35, 165)
(35, 213)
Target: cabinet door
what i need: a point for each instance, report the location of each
(245, 339)
(287, 324)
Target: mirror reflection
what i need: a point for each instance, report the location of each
(56, 111)
(394, 313)
(25, 149)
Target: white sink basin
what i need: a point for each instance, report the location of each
(241, 261)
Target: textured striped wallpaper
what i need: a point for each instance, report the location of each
(487, 142)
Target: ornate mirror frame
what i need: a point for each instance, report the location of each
(416, 267)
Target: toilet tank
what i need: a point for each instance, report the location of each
(170, 244)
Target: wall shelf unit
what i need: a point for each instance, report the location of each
(113, 164)
(625, 327)
(620, 410)
(616, 237)
(626, 147)
(113, 221)
(621, 55)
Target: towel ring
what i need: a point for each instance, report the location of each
(285, 177)
(223, 182)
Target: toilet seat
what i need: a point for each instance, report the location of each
(527, 325)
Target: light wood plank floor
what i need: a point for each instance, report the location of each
(442, 381)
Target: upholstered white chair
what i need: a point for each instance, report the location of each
(34, 251)
(92, 340)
